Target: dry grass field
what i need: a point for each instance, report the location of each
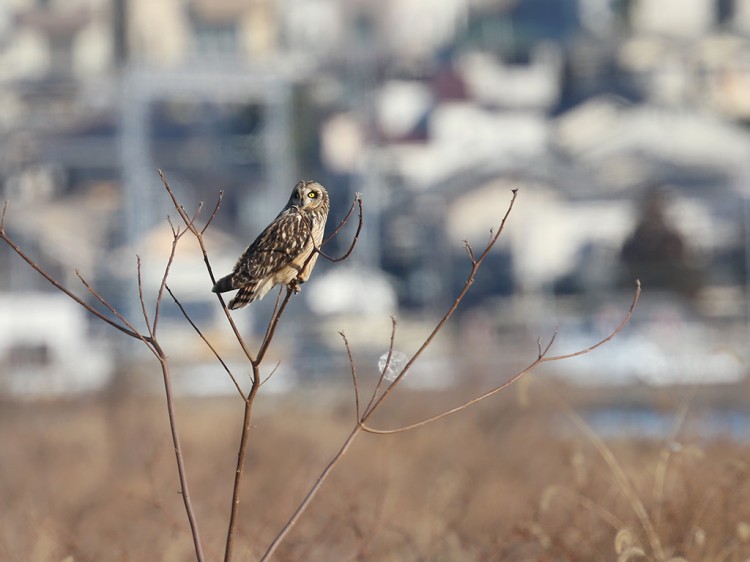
(95, 480)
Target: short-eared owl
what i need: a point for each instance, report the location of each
(281, 254)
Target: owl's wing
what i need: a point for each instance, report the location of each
(282, 241)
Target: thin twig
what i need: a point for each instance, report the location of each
(36, 267)
(273, 371)
(213, 214)
(470, 251)
(467, 285)
(139, 281)
(610, 336)
(274, 312)
(176, 235)
(272, 327)
(542, 358)
(465, 405)
(205, 340)
(360, 222)
(353, 371)
(148, 341)
(388, 359)
(357, 200)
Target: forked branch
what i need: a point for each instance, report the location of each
(543, 357)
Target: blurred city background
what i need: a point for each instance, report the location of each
(625, 126)
(623, 123)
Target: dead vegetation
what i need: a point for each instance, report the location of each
(95, 481)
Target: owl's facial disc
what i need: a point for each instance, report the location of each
(310, 196)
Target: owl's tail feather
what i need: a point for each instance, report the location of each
(245, 296)
(224, 284)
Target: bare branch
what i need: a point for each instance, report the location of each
(354, 372)
(467, 285)
(388, 359)
(272, 327)
(36, 267)
(542, 358)
(239, 471)
(357, 200)
(140, 297)
(213, 214)
(205, 340)
(346, 254)
(177, 235)
(471, 402)
(175, 230)
(610, 336)
(470, 251)
(273, 371)
(182, 473)
(113, 310)
(275, 310)
(179, 208)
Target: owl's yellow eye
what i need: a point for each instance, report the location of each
(312, 195)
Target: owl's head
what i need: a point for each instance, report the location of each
(309, 195)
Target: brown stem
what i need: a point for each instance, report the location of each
(311, 494)
(184, 489)
(241, 455)
(273, 324)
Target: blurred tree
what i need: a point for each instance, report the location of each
(656, 253)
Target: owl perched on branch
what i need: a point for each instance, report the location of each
(285, 251)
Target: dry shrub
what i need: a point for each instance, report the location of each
(95, 480)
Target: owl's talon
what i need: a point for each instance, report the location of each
(295, 285)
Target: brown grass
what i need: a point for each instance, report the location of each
(95, 480)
